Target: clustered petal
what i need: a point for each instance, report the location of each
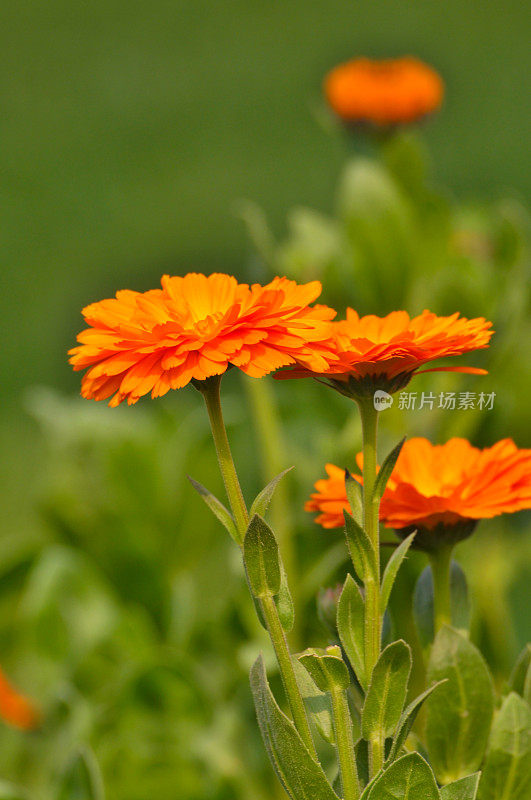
(387, 92)
(197, 326)
(438, 484)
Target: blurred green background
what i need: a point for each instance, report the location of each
(130, 134)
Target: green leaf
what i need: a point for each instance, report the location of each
(262, 559)
(463, 789)
(354, 496)
(360, 549)
(284, 602)
(318, 703)
(527, 686)
(350, 625)
(408, 778)
(393, 565)
(387, 691)
(507, 770)
(423, 603)
(326, 668)
(460, 712)
(217, 508)
(386, 469)
(82, 778)
(262, 500)
(302, 777)
(362, 761)
(519, 673)
(407, 720)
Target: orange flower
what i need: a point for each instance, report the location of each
(440, 490)
(383, 92)
(385, 352)
(195, 327)
(16, 709)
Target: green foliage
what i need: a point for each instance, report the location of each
(317, 702)
(360, 548)
(386, 694)
(386, 469)
(326, 668)
(81, 779)
(262, 560)
(391, 571)
(423, 602)
(350, 625)
(517, 681)
(507, 769)
(261, 502)
(217, 508)
(407, 720)
(408, 778)
(355, 497)
(460, 711)
(463, 789)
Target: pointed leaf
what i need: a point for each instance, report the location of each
(386, 469)
(393, 565)
(354, 496)
(507, 769)
(519, 673)
(407, 721)
(262, 500)
(217, 508)
(82, 778)
(318, 704)
(460, 712)
(360, 549)
(423, 603)
(350, 625)
(387, 691)
(326, 668)
(262, 559)
(302, 777)
(463, 789)
(284, 602)
(409, 778)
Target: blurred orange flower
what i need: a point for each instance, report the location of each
(15, 709)
(195, 327)
(435, 487)
(383, 93)
(385, 352)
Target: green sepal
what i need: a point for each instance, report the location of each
(354, 492)
(521, 668)
(351, 627)
(81, 779)
(463, 789)
(217, 508)
(423, 608)
(507, 768)
(408, 778)
(284, 602)
(387, 691)
(301, 776)
(360, 548)
(459, 714)
(406, 722)
(262, 558)
(391, 570)
(385, 471)
(318, 704)
(262, 500)
(326, 668)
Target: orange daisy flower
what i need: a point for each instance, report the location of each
(195, 327)
(385, 352)
(15, 709)
(383, 93)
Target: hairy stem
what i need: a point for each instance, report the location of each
(440, 561)
(345, 745)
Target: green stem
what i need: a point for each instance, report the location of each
(210, 390)
(345, 745)
(440, 561)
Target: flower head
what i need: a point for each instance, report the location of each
(15, 709)
(439, 490)
(385, 352)
(194, 327)
(383, 93)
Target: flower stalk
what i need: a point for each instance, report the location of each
(440, 561)
(345, 745)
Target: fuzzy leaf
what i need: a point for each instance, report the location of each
(408, 778)
(262, 500)
(284, 602)
(391, 570)
(350, 625)
(318, 704)
(463, 789)
(519, 673)
(81, 779)
(423, 603)
(354, 496)
(360, 548)
(301, 776)
(326, 668)
(386, 469)
(217, 508)
(387, 691)
(262, 559)
(460, 712)
(407, 720)
(507, 770)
